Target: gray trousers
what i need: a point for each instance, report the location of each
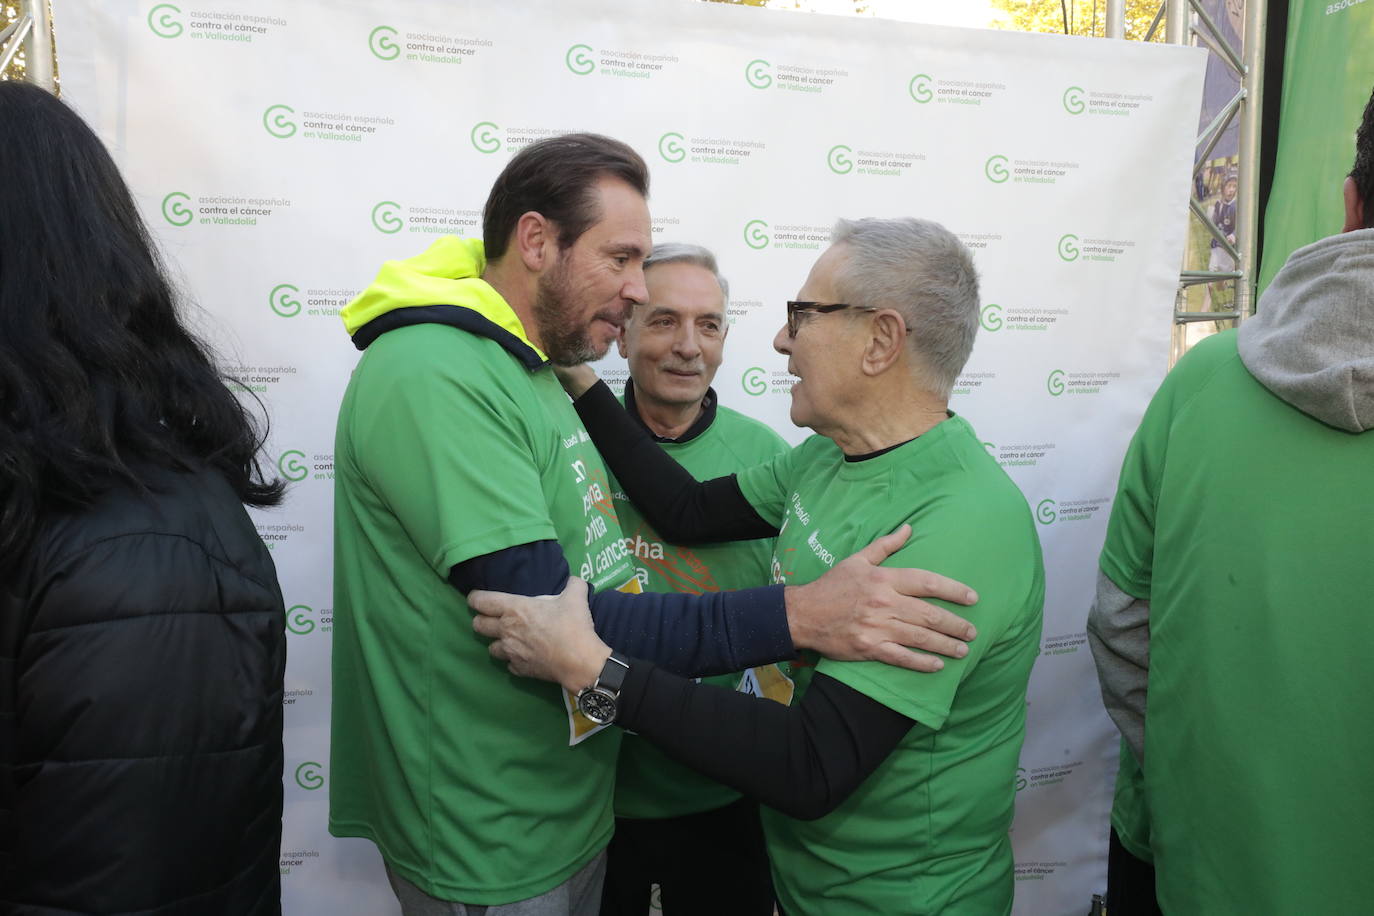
(580, 895)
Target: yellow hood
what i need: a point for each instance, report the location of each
(449, 272)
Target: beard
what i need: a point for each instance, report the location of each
(564, 341)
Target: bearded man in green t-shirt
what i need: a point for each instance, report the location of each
(887, 791)
(1232, 623)
(697, 840)
(460, 464)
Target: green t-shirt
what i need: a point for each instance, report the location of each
(462, 774)
(1249, 526)
(927, 832)
(650, 784)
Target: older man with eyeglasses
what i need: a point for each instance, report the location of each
(892, 791)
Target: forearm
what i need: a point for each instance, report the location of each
(697, 635)
(682, 509)
(803, 760)
(1119, 636)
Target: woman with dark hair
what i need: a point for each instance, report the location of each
(142, 643)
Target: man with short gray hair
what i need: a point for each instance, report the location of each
(887, 791)
(674, 826)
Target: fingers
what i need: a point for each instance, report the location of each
(921, 583)
(928, 640)
(902, 657)
(489, 627)
(493, 603)
(917, 614)
(885, 546)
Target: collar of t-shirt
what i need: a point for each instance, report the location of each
(699, 425)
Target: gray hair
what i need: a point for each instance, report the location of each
(922, 270)
(683, 253)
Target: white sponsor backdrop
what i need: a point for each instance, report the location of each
(281, 151)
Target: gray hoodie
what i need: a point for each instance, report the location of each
(1311, 343)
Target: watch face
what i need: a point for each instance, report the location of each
(597, 704)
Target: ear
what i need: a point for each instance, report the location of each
(886, 343)
(535, 240)
(1354, 207)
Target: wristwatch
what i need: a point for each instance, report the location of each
(598, 702)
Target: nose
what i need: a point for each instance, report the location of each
(782, 341)
(634, 288)
(686, 346)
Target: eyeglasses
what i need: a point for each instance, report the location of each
(795, 310)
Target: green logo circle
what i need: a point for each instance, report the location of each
(1020, 778)
(1073, 100)
(299, 619)
(996, 169)
(991, 317)
(670, 148)
(281, 301)
(989, 448)
(162, 23)
(839, 163)
(291, 467)
(756, 234)
(1068, 247)
(276, 121)
(578, 61)
(758, 73)
(380, 44)
(1054, 383)
(919, 88)
(174, 209)
(385, 218)
(1044, 512)
(483, 140)
(754, 381)
(308, 775)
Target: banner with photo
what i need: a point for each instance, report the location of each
(281, 152)
(1327, 76)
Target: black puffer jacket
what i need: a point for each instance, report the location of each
(142, 650)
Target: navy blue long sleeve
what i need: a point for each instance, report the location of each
(690, 635)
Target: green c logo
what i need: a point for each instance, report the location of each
(308, 775)
(578, 61)
(1054, 384)
(278, 125)
(758, 73)
(380, 44)
(164, 26)
(281, 301)
(298, 619)
(839, 163)
(1020, 778)
(756, 234)
(996, 169)
(1068, 247)
(291, 468)
(483, 140)
(991, 317)
(670, 149)
(755, 381)
(919, 88)
(384, 218)
(174, 209)
(989, 448)
(1073, 100)
(1044, 512)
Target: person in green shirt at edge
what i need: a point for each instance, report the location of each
(698, 840)
(1206, 652)
(460, 463)
(891, 792)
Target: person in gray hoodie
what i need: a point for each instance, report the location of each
(1234, 614)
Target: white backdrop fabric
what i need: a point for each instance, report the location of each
(282, 151)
